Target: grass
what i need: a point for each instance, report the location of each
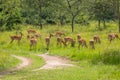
(6, 61)
(86, 71)
(100, 64)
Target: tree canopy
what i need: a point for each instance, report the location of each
(40, 12)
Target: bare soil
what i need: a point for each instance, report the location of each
(53, 62)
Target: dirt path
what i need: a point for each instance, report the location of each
(53, 62)
(25, 62)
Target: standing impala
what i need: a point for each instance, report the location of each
(17, 38)
(47, 40)
(96, 39)
(78, 37)
(82, 42)
(112, 36)
(33, 42)
(91, 42)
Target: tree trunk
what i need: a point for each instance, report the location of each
(40, 19)
(99, 24)
(118, 15)
(104, 23)
(119, 24)
(61, 21)
(41, 26)
(72, 25)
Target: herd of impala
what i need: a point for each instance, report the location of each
(61, 39)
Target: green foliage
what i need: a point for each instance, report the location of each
(40, 12)
(10, 14)
(102, 10)
(111, 57)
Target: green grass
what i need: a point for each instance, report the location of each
(6, 61)
(85, 71)
(100, 64)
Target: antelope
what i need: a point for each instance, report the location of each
(18, 38)
(96, 39)
(47, 40)
(37, 35)
(59, 34)
(60, 41)
(78, 37)
(91, 42)
(116, 36)
(70, 40)
(31, 31)
(73, 43)
(33, 42)
(67, 39)
(82, 42)
(112, 36)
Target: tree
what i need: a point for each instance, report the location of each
(118, 9)
(102, 11)
(10, 13)
(72, 8)
(38, 9)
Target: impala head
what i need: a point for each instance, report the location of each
(51, 35)
(21, 34)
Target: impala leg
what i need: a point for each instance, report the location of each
(79, 46)
(30, 46)
(11, 41)
(18, 42)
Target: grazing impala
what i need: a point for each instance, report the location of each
(31, 31)
(70, 40)
(37, 35)
(17, 38)
(82, 42)
(67, 39)
(91, 42)
(60, 41)
(96, 39)
(112, 36)
(33, 42)
(59, 34)
(73, 41)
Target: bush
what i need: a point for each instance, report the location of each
(111, 57)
